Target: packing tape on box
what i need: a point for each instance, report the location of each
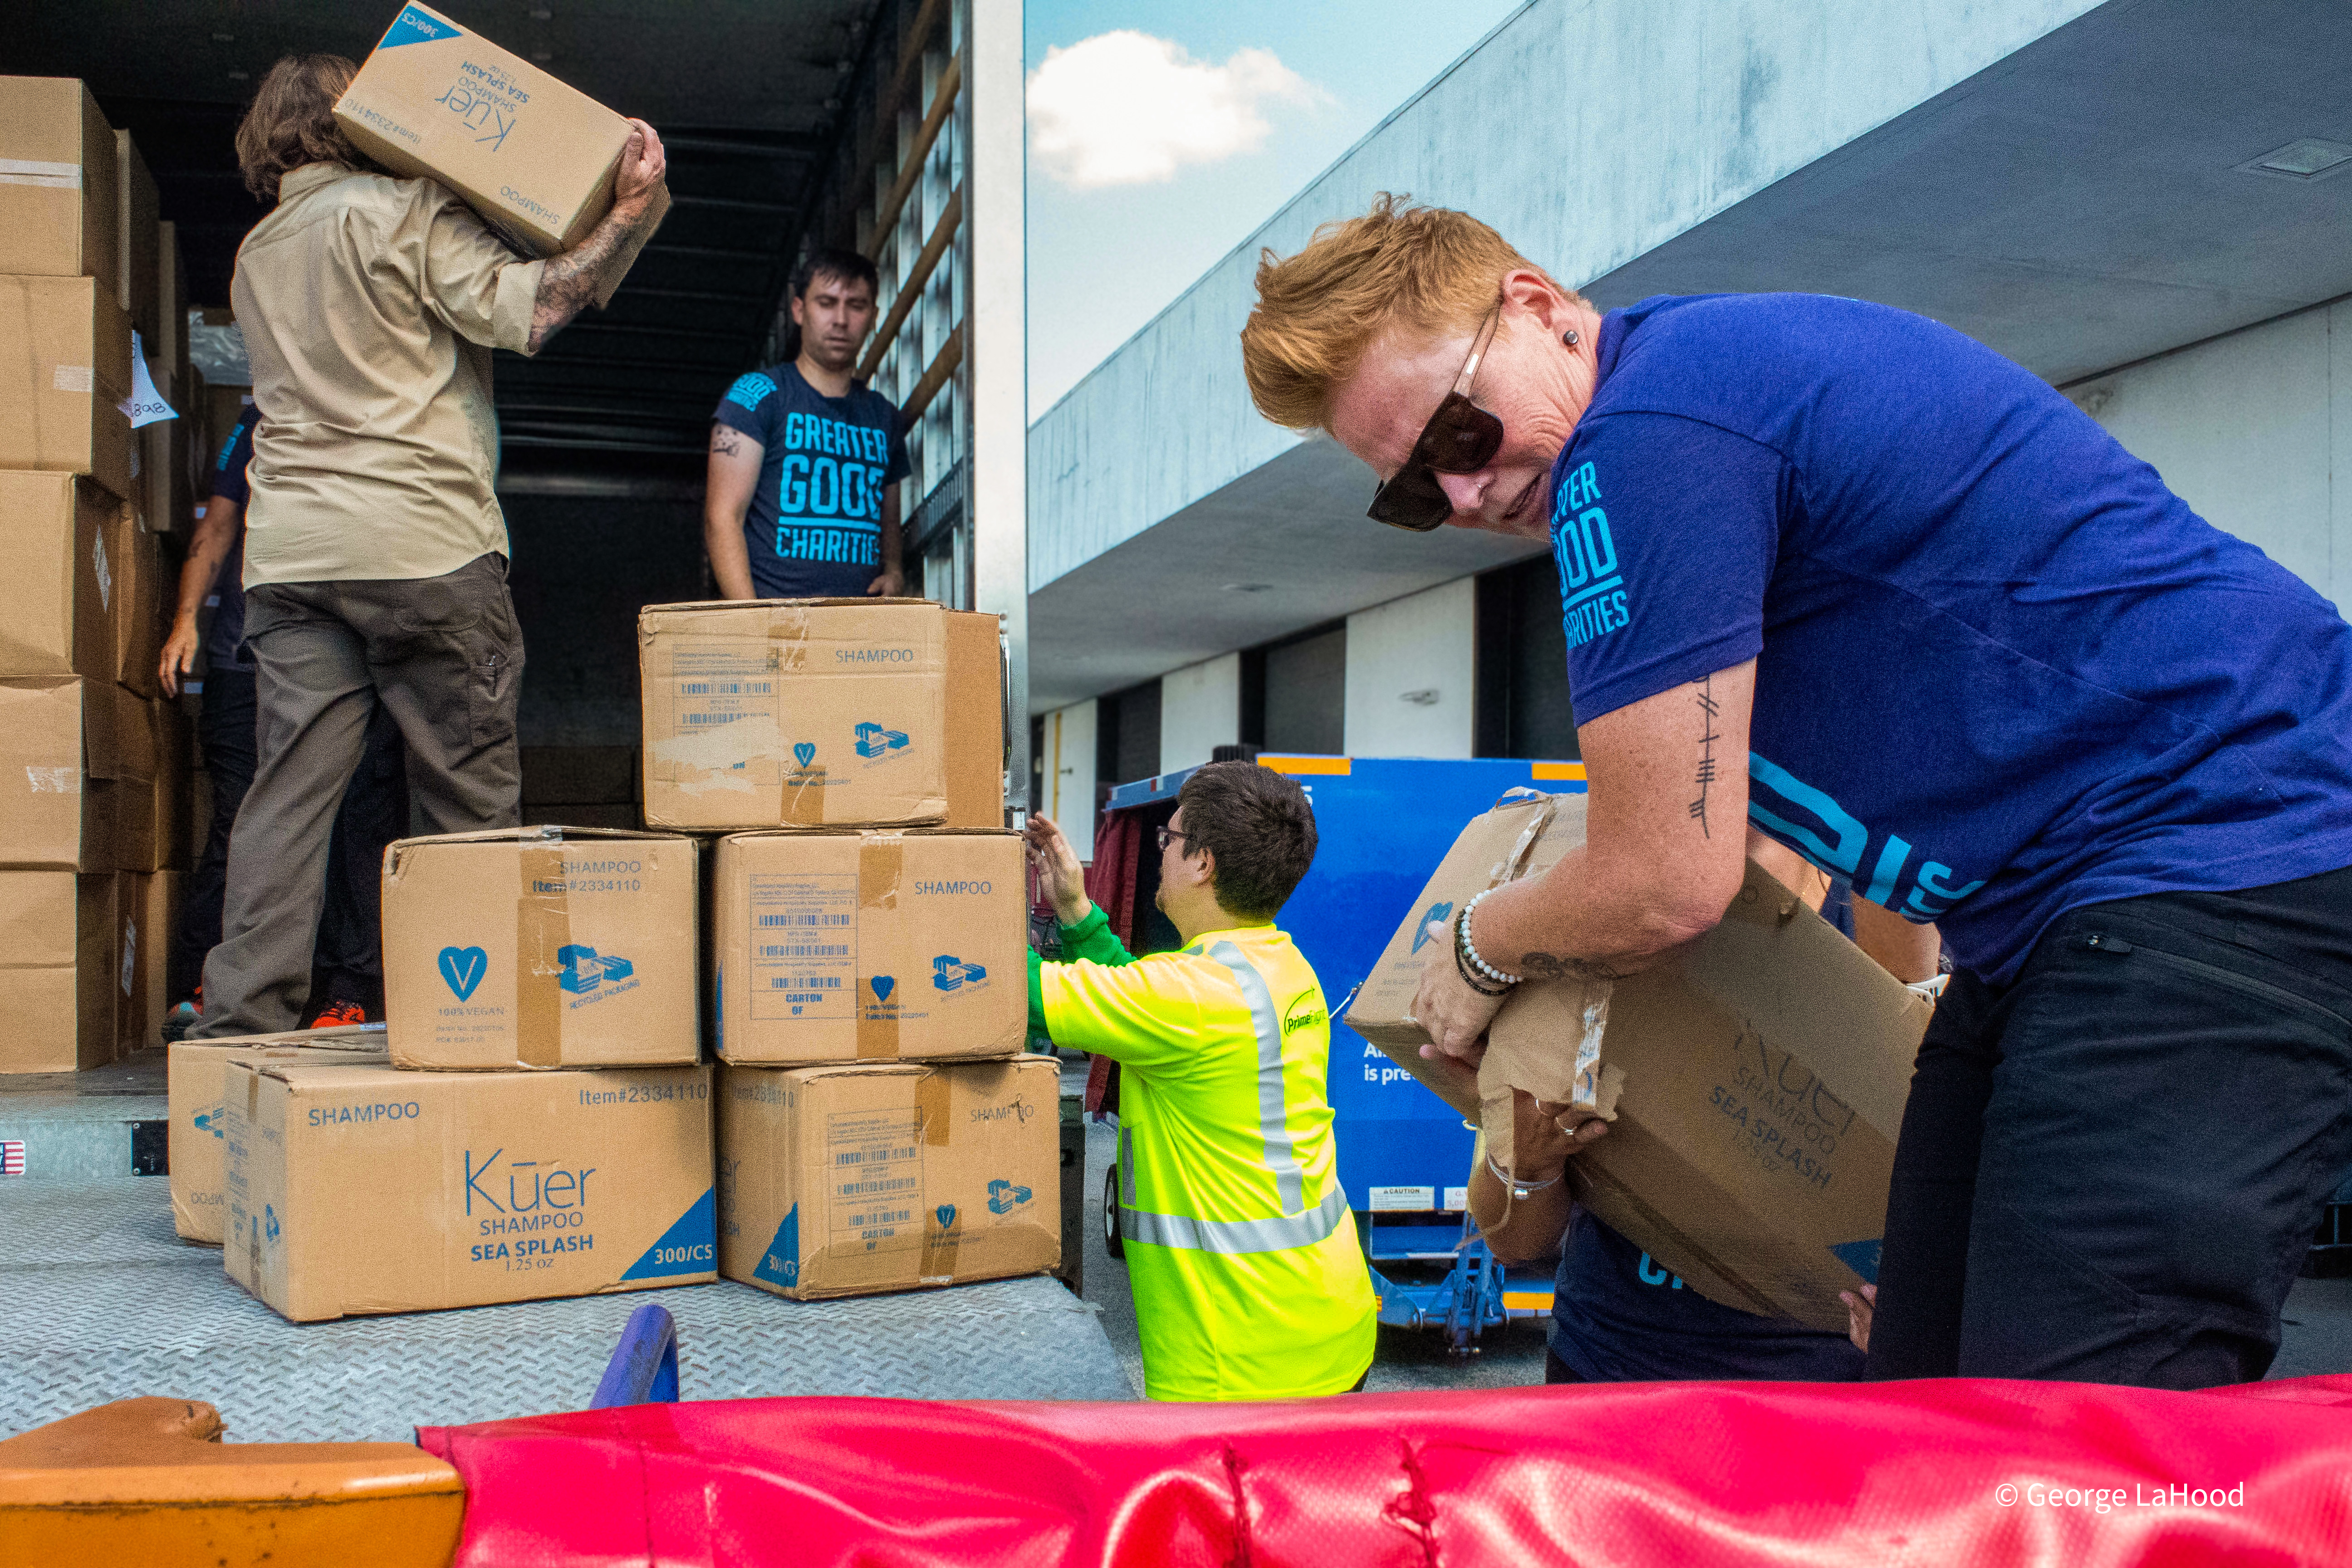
(542, 931)
(942, 1222)
(881, 860)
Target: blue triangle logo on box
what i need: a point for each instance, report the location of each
(1862, 1256)
(415, 27)
(781, 1263)
(689, 1246)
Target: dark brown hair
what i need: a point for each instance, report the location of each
(1260, 827)
(292, 122)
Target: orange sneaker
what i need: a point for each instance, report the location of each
(340, 1015)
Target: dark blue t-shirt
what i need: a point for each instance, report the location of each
(225, 640)
(814, 525)
(1617, 1316)
(2001, 670)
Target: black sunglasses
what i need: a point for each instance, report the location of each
(1460, 439)
(1168, 833)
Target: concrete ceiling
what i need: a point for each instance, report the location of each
(2077, 206)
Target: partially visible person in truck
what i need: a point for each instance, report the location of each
(376, 553)
(801, 496)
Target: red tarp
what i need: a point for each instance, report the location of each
(1877, 1476)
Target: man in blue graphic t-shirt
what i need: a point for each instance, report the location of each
(801, 500)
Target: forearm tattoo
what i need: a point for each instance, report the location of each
(1551, 966)
(1707, 709)
(568, 281)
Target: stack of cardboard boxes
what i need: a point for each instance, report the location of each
(542, 1123)
(93, 764)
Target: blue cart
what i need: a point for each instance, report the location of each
(1383, 825)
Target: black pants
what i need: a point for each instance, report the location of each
(2110, 1169)
(348, 951)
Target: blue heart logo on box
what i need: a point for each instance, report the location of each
(804, 752)
(883, 985)
(463, 968)
(946, 1213)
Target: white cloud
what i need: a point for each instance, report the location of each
(1127, 109)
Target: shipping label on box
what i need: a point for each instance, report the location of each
(64, 368)
(541, 947)
(58, 989)
(372, 1189)
(54, 531)
(844, 947)
(59, 203)
(534, 157)
(795, 714)
(851, 1180)
(195, 1082)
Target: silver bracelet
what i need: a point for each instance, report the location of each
(1470, 948)
(1520, 1189)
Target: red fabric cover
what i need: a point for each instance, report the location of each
(1874, 1475)
(1111, 879)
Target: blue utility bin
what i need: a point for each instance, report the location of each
(1382, 826)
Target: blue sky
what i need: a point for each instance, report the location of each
(1154, 153)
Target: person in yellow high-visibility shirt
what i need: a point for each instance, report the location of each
(1249, 1281)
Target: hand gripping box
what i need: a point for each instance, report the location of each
(821, 713)
(837, 947)
(195, 1084)
(534, 157)
(855, 1179)
(541, 947)
(369, 1189)
(1754, 1080)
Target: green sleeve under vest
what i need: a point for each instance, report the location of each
(1091, 938)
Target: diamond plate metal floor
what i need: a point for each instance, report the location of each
(106, 1303)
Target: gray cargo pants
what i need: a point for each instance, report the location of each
(444, 654)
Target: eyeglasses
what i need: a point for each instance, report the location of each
(1168, 833)
(1460, 439)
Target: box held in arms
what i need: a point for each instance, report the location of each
(822, 713)
(65, 370)
(370, 1189)
(541, 948)
(195, 1081)
(1754, 1080)
(835, 947)
(60, 201)
(534, 157)
(855, 1179)
(60, 976)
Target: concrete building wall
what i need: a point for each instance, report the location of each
(1069, 751)
(1199, 709)
(2252, 428)
(1633, 120)
(1412, 672)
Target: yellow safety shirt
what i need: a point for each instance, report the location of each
(1249, 1281)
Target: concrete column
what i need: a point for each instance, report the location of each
(1199, 709)
(1070, 773)
(1411, 671)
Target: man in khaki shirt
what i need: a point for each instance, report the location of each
(376, 553)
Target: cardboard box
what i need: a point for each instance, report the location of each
(541, 947)
(369, 1189)
(166, 496)
(139, 595)
(65, 747)
(840, 947)
(196, 1079)
(166, 894)
(534, 157)
(1755, 1080)
(171, 305)
(59, 205)
(55, 532)
(65, 365)
(137, 290)
(852, 1180)
(821, 713)
(59, 973)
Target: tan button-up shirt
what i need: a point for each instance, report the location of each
(370, 307)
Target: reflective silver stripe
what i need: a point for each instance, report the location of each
(1281, 1158)
(1236, 1236)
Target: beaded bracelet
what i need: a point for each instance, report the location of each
(1470, 948)
(1462, 967)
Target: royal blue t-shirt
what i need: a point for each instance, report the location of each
(2001, 670)
(814, 525)
(224, 638)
